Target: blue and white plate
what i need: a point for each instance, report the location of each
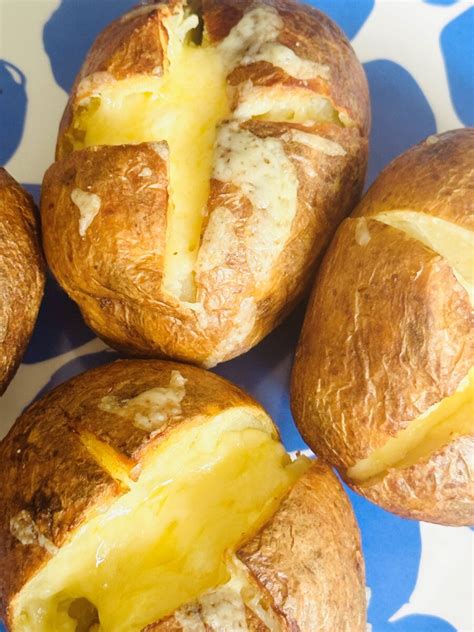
(419, 59)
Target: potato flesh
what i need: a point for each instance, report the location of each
(166, 541)
(184, 108)
(453, 416)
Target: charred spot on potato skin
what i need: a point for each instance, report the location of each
(43, 506)
(105, 304)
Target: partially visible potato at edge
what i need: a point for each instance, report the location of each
(204, 161)
(383, 381)
(21, 275)
(147, 494)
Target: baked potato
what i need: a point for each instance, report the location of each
(21, 275)
(206, 155)
(148, 493)
(383, 381)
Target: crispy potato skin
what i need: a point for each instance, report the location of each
(389, 332)
(309, 558)
(21, 275)
(125, 303)
(47, 471)
(433, 177)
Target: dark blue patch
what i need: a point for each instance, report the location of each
(349, 14)
(456, 45)
(442, 2)
(71, 30)
(34, 190)
(265, 373)
(13, 103)
(417, 623)
(59, 328)
(401, 114)
(392, 549)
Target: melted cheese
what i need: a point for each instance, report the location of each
(451, 417)
(257, 26)
(275, 103)
(151, 409)
(267, 177)
(316, 142)
(284, 58)
(88, 205)
(183, 108)
(166, 541)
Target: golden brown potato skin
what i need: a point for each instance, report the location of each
(21, 275)
(389, 332)
(115, 271)
(47, 471)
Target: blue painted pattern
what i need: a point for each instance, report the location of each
(13, 103)
(349, 14)
(402, 115)
(71, 30)
(457, 46)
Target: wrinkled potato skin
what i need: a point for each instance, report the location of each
(129, 309)
(47, 471)
(389, 332)
(21, 275)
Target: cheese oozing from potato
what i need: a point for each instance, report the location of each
(184, 108)
(167, 539)
(453, 416)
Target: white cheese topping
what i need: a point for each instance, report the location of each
(314, 141)
(299, 105)
(254, 39)
(267, 177)
(284, 58)
(23, 528)
(88, 205)
(189, 618)
(152, 408)
(258, 26)
(222, 609)
(362, 233)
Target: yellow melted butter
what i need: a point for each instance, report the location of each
(453, 416)
(166, 541)
(183, 108)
